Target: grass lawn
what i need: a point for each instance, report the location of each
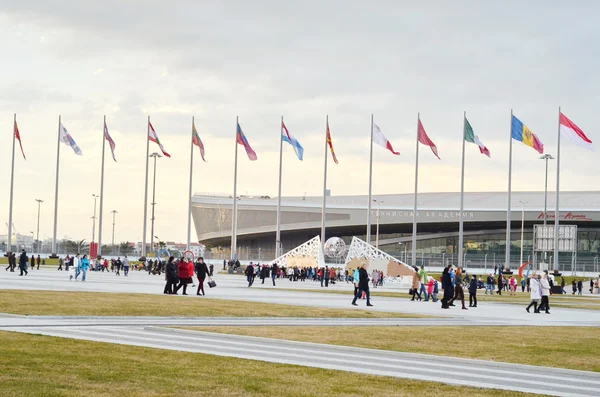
(34, 365)
(577, 347)
(59, 303)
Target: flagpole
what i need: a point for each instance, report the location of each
(370, 187)
(234, 217)
(508, 211)
(414, 236)
(12, 180)
(189, 229)
(54, 250)
(101, 189)
(557, 213)
(146, 189)
(462, 199)
(278, 244)
(324, 207)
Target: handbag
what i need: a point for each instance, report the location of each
(212, 283)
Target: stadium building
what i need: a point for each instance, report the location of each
(437, 215)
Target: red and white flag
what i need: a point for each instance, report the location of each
(569, 130)
(110, 142)
(424, 139)
(18, 136)
(381, 140)
(152, 136)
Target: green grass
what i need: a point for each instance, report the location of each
(34, 365)
(562, 347)
(57, 303)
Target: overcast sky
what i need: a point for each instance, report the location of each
(258, 60)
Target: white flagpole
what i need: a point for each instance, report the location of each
(462, 198)
(146, 189)
(557, 213)
(414, 236)
(508, 211)
(324, 208)
(234, 216)
(189, 229)
(370, 187)
(12, 180)
(278, 244)
(101, 189)
(54, 250)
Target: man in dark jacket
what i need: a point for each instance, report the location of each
(249, 274)
(363, 285)
(23, 263)
(473, 292)
(447, 287)
(274, 271)
(202, 272)
(171, 270)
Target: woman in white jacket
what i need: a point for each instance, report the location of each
(536, 293)
(545, 305)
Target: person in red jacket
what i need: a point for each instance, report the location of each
(184, 276)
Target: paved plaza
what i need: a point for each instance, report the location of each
(152, 331)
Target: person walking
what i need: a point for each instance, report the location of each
(274, 271)
(171, 276)
(424, 278)
(23, 263)
(512, 283)
(183, 272)
(60, 263)
(38, 260)
(536, 293)
(327, 276)
(249, 272)
(126, 266)
(12, 262)
(363, 285)
(563, 283)
(202, 272)
(473, 292)
(545, 305)
(459, 293)
(85, 266)
(416, 285)
(580, 287)
(500, 283)
(447, 287)
(76, 267)
(118, 264)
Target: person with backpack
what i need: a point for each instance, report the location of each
(363, 285)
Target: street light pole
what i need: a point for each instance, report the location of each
(38, 223)
(94, 219)
(546, 157)
(155, 156)
(113, 212)
(523, 229)
(377, 228)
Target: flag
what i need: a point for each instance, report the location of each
(197, 141)
(331, 144)
(424, 139)
(287, 137)
(18, 136)
(521, 133)
(569, 130)
(471, 137)
(241, 140)
(110, 142)
(381, 140)
(154, 138)
(68, 140)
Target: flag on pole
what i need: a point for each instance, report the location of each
(381, 140)
(331, 144)
(575, 134)
(424, 139)
(241, 140)
(152, 136)
(18, 136)
(197, 141)
(110, 142)
(521, 133)
(471, 137)
(68, 140)
(287, 137)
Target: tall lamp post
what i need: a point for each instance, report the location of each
(38, 223)
(154, 156)
(377, 228)
(94, 219)
(522, 229)
(113, 212)
(546, 157)
(32, 243)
